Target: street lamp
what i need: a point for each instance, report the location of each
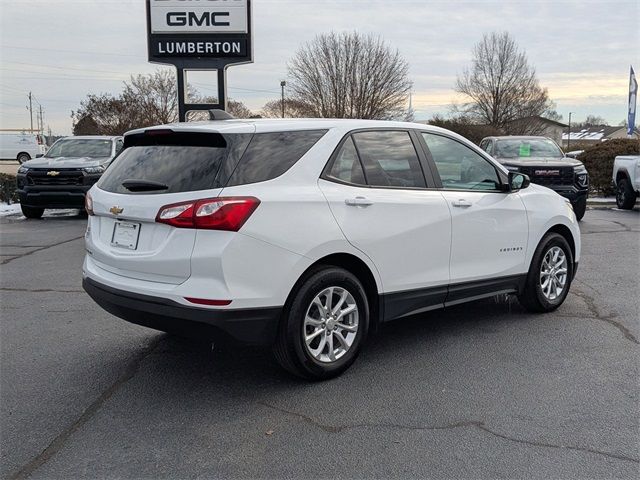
(282, 85)
(569, 133)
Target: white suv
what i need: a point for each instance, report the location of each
(305, 234)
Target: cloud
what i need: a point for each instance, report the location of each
(582, 49)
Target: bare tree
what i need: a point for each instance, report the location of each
(501, 86)
(591, 121)
(154, 97)
(292, 109)
(146, 100)
(349, 75)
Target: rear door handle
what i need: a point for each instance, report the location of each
(462, 203)
(358, 202)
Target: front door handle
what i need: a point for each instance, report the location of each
(358, 202)
(462, 203)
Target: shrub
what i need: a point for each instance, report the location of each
(599, 161)
(8, 192)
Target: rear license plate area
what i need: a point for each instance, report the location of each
(126, 235)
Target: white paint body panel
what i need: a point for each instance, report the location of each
(407, 239)
(489, 237)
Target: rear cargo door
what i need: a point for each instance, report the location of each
(156, 170)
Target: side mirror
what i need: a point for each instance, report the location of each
(518, 181)
(39, 155)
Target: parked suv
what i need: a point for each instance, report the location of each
(544, 162)
(61, 178)
(305, 234)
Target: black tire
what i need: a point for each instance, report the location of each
(32, 212)
(532, 297)
(290, 348)
(580, 207)
(625, 196)
(23, 157)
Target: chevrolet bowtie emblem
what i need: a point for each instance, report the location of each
(116, 210)
(53, 173)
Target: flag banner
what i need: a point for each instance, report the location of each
(633, 96)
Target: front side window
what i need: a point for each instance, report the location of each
(389, 159)
(347, 167)
(461, 168)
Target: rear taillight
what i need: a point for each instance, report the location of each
(224, 213)
(88, 204)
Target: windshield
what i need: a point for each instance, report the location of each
(527, 147)
(77, 148)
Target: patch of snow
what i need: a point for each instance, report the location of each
(6, 210)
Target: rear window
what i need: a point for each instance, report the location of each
(183, 162)
(271, 154)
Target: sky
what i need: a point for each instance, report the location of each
(62, 50)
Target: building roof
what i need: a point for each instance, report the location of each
(540, 119)
(593, 134)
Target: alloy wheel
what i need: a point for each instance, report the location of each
(553, 273)
(331, 324)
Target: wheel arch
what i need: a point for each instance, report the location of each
(23, 153)
(357, 267)
(622, 174)
(566, 233)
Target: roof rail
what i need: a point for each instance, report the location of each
(218, 114)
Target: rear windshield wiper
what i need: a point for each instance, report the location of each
(144, 186)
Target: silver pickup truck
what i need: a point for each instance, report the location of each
(626, 180)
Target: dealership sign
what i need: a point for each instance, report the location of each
(199, 33)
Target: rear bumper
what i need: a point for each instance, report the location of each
(249, 326)
(53, 197)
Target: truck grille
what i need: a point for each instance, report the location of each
(63, 177)
(550, 176)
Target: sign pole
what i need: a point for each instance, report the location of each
(199, 36)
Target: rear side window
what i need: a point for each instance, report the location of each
(389, 159)
(183, 162)
(346, 167)
(269, 155)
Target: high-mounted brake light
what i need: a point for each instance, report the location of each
(223, 213)
(158, 132)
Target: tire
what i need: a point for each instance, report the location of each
(534, 296)
(32, 212)
(302, 317)
(23, 157)
(580, 207)
(625, 196)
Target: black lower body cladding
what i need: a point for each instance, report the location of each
(247, 326)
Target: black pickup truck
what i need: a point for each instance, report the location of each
(544, 162)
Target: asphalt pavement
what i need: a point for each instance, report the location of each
(483, 390)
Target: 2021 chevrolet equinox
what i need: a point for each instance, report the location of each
(304, 234)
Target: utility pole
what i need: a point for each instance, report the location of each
(31, 110)
(283, 84)
(569, 134)
(41, 122)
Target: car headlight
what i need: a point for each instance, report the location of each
(582, 176)
(23, 170)
(94, 170)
